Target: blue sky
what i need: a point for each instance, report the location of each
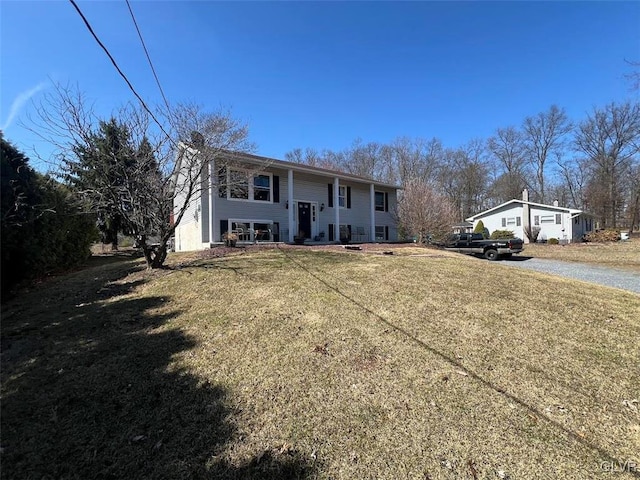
(307, 74)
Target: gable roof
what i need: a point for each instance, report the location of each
(572, 211)
(299, 167)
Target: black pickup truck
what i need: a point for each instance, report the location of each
(491, 249)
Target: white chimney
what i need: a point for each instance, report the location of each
(555, 203)
(526, 215)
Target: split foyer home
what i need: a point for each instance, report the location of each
(564, 224)
(267, 200)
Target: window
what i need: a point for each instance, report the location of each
(558, 218)
(250, 230)
(244, 185)
(379, 201)
(536, 219)
(382, 233)
(511, 221)
(262, 188)
(547, 219)
(342, 196)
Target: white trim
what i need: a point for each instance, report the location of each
(372, 212)
(251, 229)
(384, 231)
(281, 164)
(342, 196)
(250, 185)
(314, 223)
(211, 215)
(572, 211)
(336, 209)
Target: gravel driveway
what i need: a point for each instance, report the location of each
(609, 277)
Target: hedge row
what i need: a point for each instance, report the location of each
(43, 230)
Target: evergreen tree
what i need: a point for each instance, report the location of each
(99, 172)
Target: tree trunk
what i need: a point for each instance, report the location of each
(154, 255)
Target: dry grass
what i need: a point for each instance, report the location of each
(616, 254)
(301, 363)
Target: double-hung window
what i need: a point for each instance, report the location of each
(262, 188)
(379, 201)
(246, 185)
(382, 233)
(342, 196)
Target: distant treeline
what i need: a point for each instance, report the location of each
(592, 164)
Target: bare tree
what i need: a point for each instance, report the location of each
(633, 206)
(169, 167)
(610, 141)
(424, 212)
(414, 158)
(507, 149)
(464, 176)
(365, 160)
(634, 76)
(543, 135)
(309, 157)
(574, 178)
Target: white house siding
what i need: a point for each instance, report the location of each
(548, 229)
(193, 231)
(493, 221)
(188, 234)
(315, 189)
(188, 237)
(554, 222)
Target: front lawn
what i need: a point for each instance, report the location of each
(319, 363)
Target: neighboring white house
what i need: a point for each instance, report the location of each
(564, 224)
(263, 199)
(463, 227)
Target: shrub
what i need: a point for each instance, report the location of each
(43, 230)
(603, 236)
(553, 241)
(480, 228)
(502, 234)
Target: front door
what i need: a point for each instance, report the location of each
(304, 219)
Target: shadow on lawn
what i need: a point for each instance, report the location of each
(605, 454)
(88, 391)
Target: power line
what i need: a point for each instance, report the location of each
(146, 52)
(144, 105)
